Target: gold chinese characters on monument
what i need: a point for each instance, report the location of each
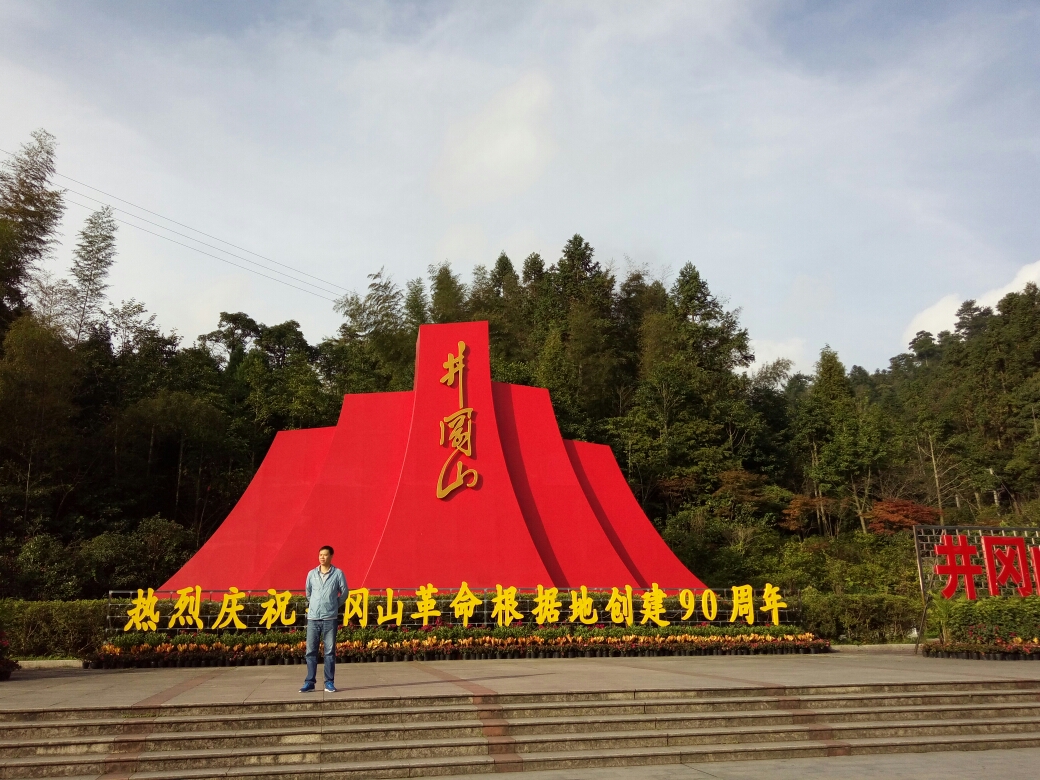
(545, 606)
(456, 431)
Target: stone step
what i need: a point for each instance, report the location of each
(30, 740)
(786, 733)
(746, 752)
(327, 703)
(577, 759)
(200, 753)
(763, 703)
(130, 720)
(780, 711)
(341, 737)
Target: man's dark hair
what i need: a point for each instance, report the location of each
(327, 547)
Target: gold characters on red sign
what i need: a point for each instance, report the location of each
(456, 431)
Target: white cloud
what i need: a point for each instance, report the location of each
(1026, 274)
(822, 166)
(942, 315)
(465, 244)
(811, 294)
(500, 151)
(794, 349)
(522, 242)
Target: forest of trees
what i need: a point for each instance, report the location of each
(123, 448)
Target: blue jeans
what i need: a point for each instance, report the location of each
(326, 631)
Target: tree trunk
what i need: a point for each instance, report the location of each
(202, 518)
(821, 518)
(151, 444)
(198, 487)
(180, 465)
(664, 419)
(81, 320)
(861, 506)
(28, 475)
(935, 473)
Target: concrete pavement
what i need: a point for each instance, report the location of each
(245, 684)
(836, 732)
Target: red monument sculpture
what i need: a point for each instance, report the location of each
(460, 479)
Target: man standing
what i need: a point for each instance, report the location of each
(326, 592)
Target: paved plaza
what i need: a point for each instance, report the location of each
(245, 684)
(65, 688)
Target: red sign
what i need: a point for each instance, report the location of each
(460, 479)
(1005, 560)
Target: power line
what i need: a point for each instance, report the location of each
(194, 230)
(192, 238)
(215, 257)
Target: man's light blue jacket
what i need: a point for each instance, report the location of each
(325, 593)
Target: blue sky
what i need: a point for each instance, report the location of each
(845, 173)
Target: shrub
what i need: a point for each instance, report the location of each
(992, 619)
(850, 563)
(150, 554)
(889, 517)
(46, 567)
(53, 628)
(859, 617)
(7, 665)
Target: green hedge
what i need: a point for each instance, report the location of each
(867, 618)
(991, 619)
(69, 629)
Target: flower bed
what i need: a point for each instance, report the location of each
(360, 646)
(992, 619)
(1016, 649)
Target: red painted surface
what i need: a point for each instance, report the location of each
(349, 503)
(476, 534)
(626, 524)
(565, 529)
(542, 511)
(246, 542)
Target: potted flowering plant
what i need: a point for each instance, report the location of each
(356, 645)
(7, 664)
